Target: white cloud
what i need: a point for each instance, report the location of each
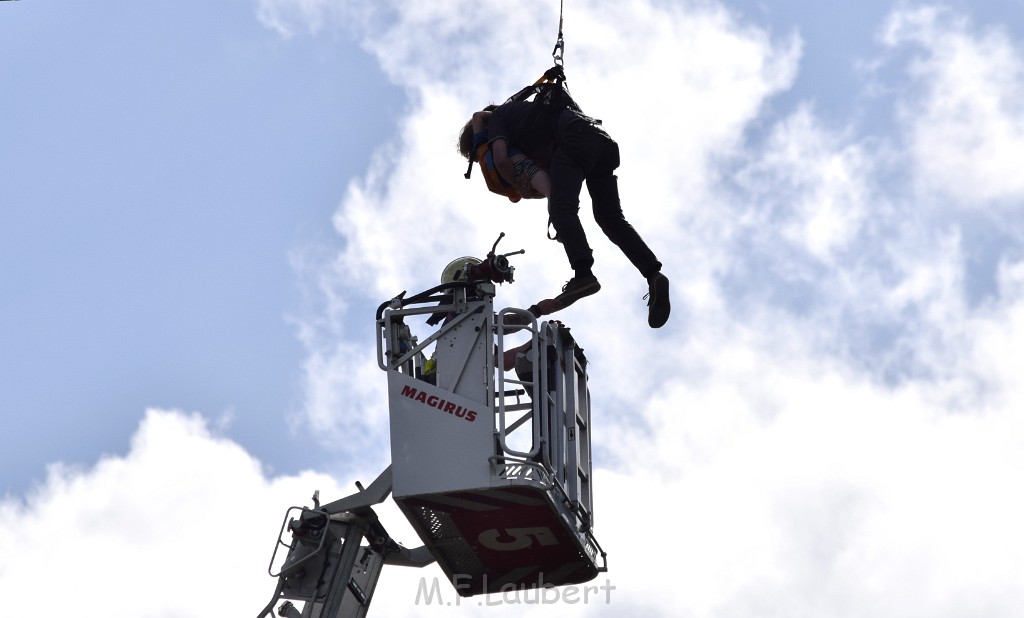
(294, 16)
(829, 425)
(828, 415)
(182, 525)
(812, 187)
(967, 128)
(785, 484)
(701, 76)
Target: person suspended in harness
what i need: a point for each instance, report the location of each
(564, 148)
(530, 180)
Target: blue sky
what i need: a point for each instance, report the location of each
(201, 204)
(160, 162)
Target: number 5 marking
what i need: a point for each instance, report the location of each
(513, 539)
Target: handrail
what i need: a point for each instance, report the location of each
(400, 303)
(536, 414)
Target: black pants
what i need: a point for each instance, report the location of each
(586, 152)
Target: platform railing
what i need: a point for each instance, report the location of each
(541, 424)
(534, 411)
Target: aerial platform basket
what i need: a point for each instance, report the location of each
(492, 471)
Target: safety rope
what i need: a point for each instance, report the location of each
(555, 75)
(559, 49)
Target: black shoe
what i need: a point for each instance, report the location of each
(577, 288)
(658, 306)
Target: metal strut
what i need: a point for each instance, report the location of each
(327, 566)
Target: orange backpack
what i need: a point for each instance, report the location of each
(495, 183)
